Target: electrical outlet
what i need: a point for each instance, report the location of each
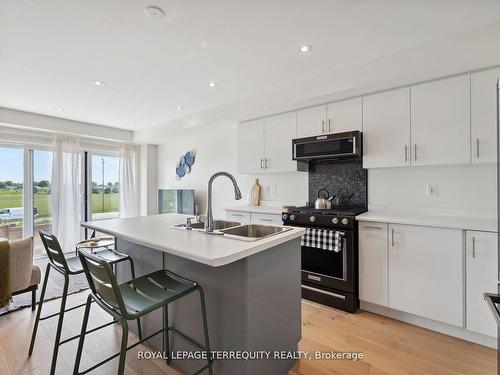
(267, 189)
(275, 189)
(431, 190)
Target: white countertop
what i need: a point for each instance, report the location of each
(155, 232)
(431, 220)
(257, 209)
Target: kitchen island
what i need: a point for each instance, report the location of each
(252, 289)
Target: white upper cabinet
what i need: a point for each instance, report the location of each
(278, 134)
(251, 147)
(484, 116)
(386, 129)
(426, 272)
(482, 263)
(311, 121)
(373, 263)
(265, 146)
(440, 122)
(344, 116)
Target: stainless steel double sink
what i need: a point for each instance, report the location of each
(236, 230)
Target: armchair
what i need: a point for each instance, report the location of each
(18, 274)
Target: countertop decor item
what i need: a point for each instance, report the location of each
(255, 195)
(184, 165)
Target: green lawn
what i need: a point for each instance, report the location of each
(9, 199)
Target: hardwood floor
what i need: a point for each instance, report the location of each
(389, 346)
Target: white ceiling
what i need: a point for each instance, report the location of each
(51, 51)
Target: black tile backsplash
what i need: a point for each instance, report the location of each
(346, 180)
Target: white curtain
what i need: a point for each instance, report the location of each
(129, 199)
(66, 191)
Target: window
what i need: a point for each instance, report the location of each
(11, 193)
(42, 215)
(104, 187)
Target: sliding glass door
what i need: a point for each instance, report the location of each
(11, 193)
(42, 215)
(104, 189)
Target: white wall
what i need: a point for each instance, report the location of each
(215, 148)
(460, 188)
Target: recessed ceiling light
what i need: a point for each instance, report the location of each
(180, 108)
(213, 84)
(58, 109)
(306, 48)
(154, 12)
(98, 83)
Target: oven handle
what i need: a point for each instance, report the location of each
(324, 292)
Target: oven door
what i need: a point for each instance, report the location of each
(329, 268)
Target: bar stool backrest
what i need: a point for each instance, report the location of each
(54, 251)
(102, 281)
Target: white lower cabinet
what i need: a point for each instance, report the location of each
(373, 263)
(426, 272)
(257, 217)
(482, 263)
(238, 215)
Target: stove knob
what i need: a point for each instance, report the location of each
(312, 219)
(292, 217)
(335, 220)
(285, 216)
(345, 221)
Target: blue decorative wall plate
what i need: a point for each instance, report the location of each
(189, 157)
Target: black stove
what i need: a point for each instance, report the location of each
(329, 277)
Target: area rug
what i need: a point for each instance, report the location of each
(54, 290)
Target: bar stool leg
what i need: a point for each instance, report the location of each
(123, 349)
(81, 341)
(40, 303)
(132, 273)
(59, 326)
(205, 328)
(166, 336)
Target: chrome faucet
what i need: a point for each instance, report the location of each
(209, 223)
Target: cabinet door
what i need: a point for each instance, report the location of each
(344, 116)
(425, 272)
(238, 215)
(373, 263)
(311, 121)
(266, 218)
(278, 134)
(440, 122)
(386, 129)
(482, 262)
(251, 147)
(484, 116)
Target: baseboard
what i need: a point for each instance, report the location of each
(430, 324)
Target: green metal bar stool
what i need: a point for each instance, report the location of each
(131, 300)
(69, 267)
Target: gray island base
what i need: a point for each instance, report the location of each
(253, 304)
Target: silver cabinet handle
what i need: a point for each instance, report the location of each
(473, 247)
(261, 163)
(237, 215)
(406, 153)
(371, 227)
(415, 153)
(477, 148)
(392, 237)
(322, 126)
(265, 163)
(270, 220)
(330, 125)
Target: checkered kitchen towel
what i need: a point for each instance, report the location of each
(323, 239)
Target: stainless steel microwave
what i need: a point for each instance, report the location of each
(327, 147)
